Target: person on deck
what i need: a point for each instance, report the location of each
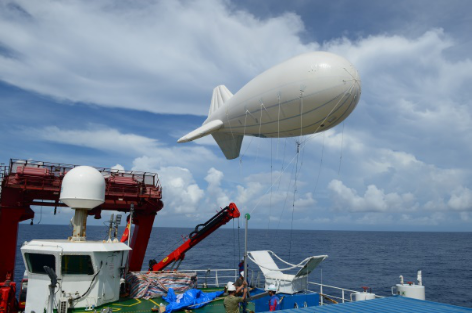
(231, 302)
(241, 265)
(240, 283)
(273, 300)
(240, 286)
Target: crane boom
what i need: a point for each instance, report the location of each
(200, 232)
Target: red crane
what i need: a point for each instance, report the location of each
(200, 232)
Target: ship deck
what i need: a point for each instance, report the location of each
(126, 305)
(394, 304)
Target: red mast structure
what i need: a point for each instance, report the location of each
(25, 183)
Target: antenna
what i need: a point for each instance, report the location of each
(110, 229)
(118, 220)
(132, 210)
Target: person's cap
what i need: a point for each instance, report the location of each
(242, 273)
(243, 258)
(231, 288)
(229, 284)
(272, 288)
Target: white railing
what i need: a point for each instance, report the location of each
(341, 296)
(213, 277)
(220, 277)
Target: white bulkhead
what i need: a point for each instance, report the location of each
(88, 273)
(362, 296)
(411, 291)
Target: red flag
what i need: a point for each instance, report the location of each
(126, 233)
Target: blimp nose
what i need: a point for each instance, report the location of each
(352, 74)
(353, 78)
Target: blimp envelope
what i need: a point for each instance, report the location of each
(307, 94)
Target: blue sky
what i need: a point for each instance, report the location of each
(115, 84)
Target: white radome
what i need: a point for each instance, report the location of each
(83, 187)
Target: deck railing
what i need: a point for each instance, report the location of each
(59, 169)
(220, 277)
(213, 277)
(3, 172)
(217, 277)
(341, 294)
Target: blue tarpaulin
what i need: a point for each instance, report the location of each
(193, 297)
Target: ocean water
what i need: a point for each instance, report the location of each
(356, 259)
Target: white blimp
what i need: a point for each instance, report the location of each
(306, 94)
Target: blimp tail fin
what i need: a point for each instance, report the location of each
(202, 131)
(220, 95)
(230, 144)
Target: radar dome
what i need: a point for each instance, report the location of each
(83, 187)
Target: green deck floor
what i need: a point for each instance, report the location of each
(142, 305)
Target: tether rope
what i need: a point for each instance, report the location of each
(308, 138)
(284, 205)
(294, 200)
(234, 246)
(244, 132)
(320, 165)
(341, 149)
(271, 193)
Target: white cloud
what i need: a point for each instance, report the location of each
(374, 199)
(248, 192)
(136, 55)
(112, 140)
(180, 192)
(97, 137)
(460, 199)
(374, 219)
(465, 216)
(118, 167)
(410, 86)
(305, 202)
(215, 192)
(433, 219)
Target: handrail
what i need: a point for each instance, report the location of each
(57, 169)
(328, 286)
(3, 172)
(219, 280)
(343, 290)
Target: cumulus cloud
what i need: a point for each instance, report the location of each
(460, 199)
(410, 86)
(304, 202)
(214, 189)
(373, 200)
(182, 194)
(150, 152)
(97, 137)
(118, 167)
(431, 219)
(136, 55)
